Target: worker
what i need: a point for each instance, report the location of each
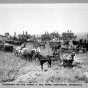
(72, 55)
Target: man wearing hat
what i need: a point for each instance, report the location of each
(72, 55)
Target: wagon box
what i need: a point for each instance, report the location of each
(8, 47)
(1, 44)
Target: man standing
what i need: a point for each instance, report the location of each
(23, 45)
(72, 55)
(38, 49)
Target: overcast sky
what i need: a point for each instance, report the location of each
(38, 18)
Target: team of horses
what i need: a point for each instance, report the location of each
(33, 54)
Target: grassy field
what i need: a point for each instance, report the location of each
(17, 70)
(9, 65)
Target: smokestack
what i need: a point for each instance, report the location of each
(14, 33)
(26, 33)
(23, 32)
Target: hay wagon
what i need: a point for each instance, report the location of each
(1, 44)
(8, 47)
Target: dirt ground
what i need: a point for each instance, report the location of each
(15, 70)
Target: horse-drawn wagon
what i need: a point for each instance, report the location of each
(8, 47)
(1, 44)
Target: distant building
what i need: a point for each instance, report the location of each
(46, 37)
(3, 38)
(55, 35)
(7, 34)
(68, 36)
(14, 34)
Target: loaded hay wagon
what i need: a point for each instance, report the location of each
(1, 45)
(8, 47)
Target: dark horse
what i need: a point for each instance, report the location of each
(43, 59)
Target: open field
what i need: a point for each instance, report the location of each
(16, 70)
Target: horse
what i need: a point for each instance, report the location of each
(17, 51)
(43, 59)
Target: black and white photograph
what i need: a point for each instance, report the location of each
(43, 45)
